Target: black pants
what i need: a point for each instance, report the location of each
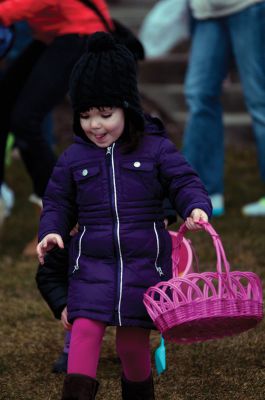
(32, 86)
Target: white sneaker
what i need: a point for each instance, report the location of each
(8, 198)
(33, 198)
(256, 209)
(217, 200)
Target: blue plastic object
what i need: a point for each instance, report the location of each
(160, 357)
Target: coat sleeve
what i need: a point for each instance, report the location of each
(184, 187)
(59, 213)
(17, 10)
(52, 280)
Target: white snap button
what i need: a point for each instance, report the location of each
(84, 172)
(137, 164)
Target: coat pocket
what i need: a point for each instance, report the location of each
(88, 184)
(139, 180)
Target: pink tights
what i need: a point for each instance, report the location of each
(132, 346)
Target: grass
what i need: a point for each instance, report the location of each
(30, 339)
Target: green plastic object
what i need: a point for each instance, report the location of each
(9, 148)
(160, 357)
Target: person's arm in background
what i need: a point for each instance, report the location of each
(52, 279)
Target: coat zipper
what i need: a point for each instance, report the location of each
(114, 205)
(159, 269)
(76, 267)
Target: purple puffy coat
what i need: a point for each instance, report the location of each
(122, 246)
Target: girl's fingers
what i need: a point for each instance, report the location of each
(67, 325)
(40, 253)
(189, 223)
(196, 216)
(199, 215)
(47, 244)
(41, 259)
(59, 241)
(74, 231)
(64, 320)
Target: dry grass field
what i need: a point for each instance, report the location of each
(30, 339)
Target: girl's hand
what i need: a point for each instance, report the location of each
(74, 231)
(48, 242)
(196, 215)
(67, 326)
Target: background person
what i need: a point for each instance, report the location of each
(224, 30)
(21, 38)
(38, 79)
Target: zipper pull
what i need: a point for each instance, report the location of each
(159, 270)
(108, 155)
(108, 150)
(76, 267)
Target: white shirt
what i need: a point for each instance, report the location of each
(203, 9)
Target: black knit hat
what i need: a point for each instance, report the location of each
(105, 76)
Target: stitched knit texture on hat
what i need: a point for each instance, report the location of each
(106, 76)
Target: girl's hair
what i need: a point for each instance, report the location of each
(131, 136)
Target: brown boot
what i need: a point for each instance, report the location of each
(138, 390)
(79, 387)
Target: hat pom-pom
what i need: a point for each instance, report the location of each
(100, 41)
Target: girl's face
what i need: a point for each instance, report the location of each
(103, 126)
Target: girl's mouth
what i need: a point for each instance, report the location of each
(100, 137)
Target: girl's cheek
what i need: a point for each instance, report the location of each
(84, 125)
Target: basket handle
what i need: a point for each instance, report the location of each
(220, 253)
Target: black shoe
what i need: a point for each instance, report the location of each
(60, 364)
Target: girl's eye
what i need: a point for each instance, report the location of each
(106, 115)
(84, 116)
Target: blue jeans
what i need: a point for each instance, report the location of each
(216, 42)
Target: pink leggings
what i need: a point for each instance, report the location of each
(132, 346)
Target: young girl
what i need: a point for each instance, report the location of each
(112, 181)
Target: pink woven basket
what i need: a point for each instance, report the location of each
(182, 257)
(208, 305)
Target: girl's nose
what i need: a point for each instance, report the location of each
(95, 123)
